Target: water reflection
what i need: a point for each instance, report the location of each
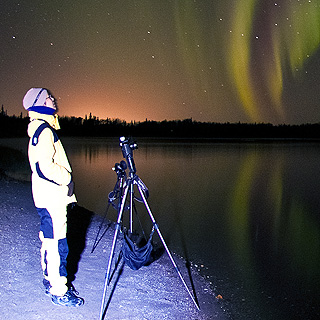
(274, 233)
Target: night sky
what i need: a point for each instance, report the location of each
(209, 60)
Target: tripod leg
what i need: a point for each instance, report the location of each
(106, 282)
(131, 208)
(97, 240)
(165, 245)
(116, 189)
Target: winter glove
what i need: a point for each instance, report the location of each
(70, 188)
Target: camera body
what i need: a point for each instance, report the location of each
(120, 168)
(127, 147)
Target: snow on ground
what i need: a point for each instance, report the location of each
(153, 292)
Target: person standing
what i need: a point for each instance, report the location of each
(52, 190)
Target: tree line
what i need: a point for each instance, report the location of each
(16, 126)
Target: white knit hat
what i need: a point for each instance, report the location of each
(35, 100)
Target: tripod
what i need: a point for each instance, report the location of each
(125, 188)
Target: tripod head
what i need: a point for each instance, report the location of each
(127, 147)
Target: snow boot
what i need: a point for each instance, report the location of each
(68, 300)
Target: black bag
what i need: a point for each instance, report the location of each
(135, 256)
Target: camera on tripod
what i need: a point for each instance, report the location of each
(134, 256)
(127, 147)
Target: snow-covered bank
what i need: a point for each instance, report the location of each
(153, 292)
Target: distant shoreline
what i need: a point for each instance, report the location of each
(12, 126)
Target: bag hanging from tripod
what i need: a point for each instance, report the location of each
(135, 256)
